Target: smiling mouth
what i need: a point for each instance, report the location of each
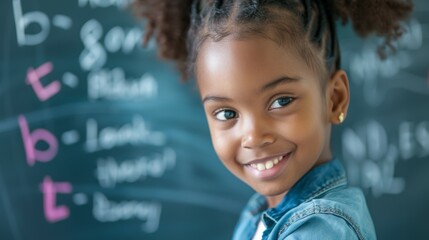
(268, 164)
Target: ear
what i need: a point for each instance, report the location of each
(338, 97)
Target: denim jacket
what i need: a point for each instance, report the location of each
(319, 206)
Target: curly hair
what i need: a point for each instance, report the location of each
(180, 27)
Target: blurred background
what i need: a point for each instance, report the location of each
(100, 140)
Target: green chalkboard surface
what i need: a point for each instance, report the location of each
(100, 140)
(385, 139)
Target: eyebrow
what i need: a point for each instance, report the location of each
(216, 99)
(278, 81)
(270, 85)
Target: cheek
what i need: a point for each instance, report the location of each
(306, 128)
(222, 145)
(225, 153)
(312, 131)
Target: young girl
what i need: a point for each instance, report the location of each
(269, 76)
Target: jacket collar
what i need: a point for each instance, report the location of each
(316, 182)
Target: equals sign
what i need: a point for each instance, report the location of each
(70, 137)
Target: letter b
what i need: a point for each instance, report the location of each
(22, 21)
(30, 140)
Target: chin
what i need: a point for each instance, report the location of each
(272, 191)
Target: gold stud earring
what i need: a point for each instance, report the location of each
(341, 117)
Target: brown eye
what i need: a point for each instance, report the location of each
(225, 115)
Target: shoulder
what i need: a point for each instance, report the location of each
(338, 214)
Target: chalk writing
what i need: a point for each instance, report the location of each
(22, 21)
(113, 85)
(369, 70)
(372, 155)
(54, 213)
(412, 38)
(105, 210)
(104, 3)
(80, 199)
(119, 39)
(70, 137)
(33, 78)
(70, 80)
(370, 160)
(109, 172)
(33, 28)
(94, 55)
(62, 21)
(30, 140)
(135, 133)
(413, 140)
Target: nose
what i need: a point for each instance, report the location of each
(257, 134)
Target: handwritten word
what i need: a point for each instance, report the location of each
(50, 189)
(30, 140)
(371, 159)
(413, 139)
(104, 3)
(372, 155)
(109, 172)
(94, 55)
(39, 18)
(368, 65)
(33, 78)
(368, 69)
(113, 85)
(105, 210)
(135, 133)
(119, 39)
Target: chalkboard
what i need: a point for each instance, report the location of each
(385, 139)
(99, 139)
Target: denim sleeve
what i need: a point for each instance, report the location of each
(319, 226)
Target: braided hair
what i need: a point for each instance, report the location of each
(180, 27)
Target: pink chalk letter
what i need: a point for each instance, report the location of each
(50, 189)
(33, 78)
(31, 138)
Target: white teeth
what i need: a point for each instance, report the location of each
(267, 165)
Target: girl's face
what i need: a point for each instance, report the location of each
(266, 113)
